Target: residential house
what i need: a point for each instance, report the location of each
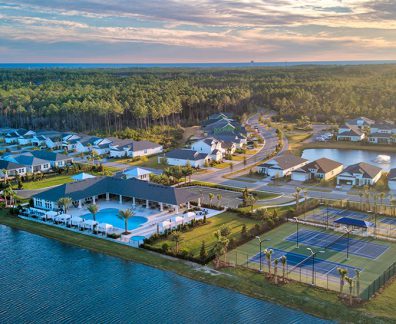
(139, 173)
(51, 139)
(57, 160)
(361, 122)
(69, 141)
(8, 168)
(350, 133)
(13, 136)
(381, 138)
(28, 160)
(239, 140)
(129, 148)
(323, 169)
(359, 174)
(383, 128)
(27, 138)
(183, 156)
(210, 146)
(282, 165)
(392, 179)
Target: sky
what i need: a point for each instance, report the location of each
(176, 31)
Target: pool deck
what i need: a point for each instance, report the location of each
(148, 228)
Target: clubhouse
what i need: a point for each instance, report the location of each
(133, 190)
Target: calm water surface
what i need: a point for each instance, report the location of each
(348, 157)
(43, 280)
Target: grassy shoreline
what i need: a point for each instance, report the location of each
(312, 301)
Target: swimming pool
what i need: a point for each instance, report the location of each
(109, 216)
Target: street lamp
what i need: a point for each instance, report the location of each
(261, 241)
(347, 231)
(313, 254)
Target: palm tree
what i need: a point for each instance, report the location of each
(219, 197)
(211, 196)
(350, 283)
(220, 247)
(276, 261)
(297, 196)
(177, 238)
(268, 256)
(93, 209)
(357, 272)
(125, 215)
(5, 174)
(283, 261)
(64, 203)
(361, 199)
(343, 273)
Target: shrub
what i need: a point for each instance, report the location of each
(165, 247)
(114, 235)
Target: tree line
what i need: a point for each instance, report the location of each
(110, 100)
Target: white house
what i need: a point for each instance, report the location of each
(8, 169)
(359, 174)
(282, 165)
(183, 156)
(350, 133)
(323, 168)
(32, 163)
(392, 179)
(381, 138)
(55, 159)
(139, 173)
(210, 146)
(128, 148)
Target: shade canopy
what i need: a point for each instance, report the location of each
(82, 176)
(353, 222)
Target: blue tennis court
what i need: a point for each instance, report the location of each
(360, 248)
(388, 220)
(335, 213)
(321, 266)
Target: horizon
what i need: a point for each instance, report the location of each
(174, 32)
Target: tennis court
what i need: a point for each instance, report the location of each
(338, 243)
(332, 213)
(294, 259)
(388, 220)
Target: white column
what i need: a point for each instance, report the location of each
(199, 202)
(188, 205)
(147, 204)
(177, 209)
(107, 196)
(120, 199)
(133, 200)
(161, 207)
(79, 204)
(94, 200)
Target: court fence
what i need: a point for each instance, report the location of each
(303, 274)
(379, 283)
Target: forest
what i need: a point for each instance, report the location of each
(109, 100)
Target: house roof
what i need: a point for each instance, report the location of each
(7, 165)
(186, 154)
(366, 121)
(368, 170)
(352, 131)
(384, 126)
(28, 159)
(322, 165)
(126, 187)
(381, 135)
(392, 174)
(49, 156)
(285, 161)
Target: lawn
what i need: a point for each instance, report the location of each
(192, 240)
(47, 182)
(222, 165)
(313, 301)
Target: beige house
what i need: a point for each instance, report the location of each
(323, 169)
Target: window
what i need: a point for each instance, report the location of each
(48, 204)
(45, 166)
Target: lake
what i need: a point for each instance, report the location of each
(348, 157)
(43, 280)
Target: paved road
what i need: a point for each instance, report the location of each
(270, 143)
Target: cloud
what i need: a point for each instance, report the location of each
(242, 28)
